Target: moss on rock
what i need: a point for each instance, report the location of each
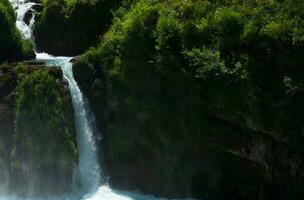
(70, 27)
(36, 130)
(201, 98)
(12, 46)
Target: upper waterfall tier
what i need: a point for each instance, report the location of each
(22, 7)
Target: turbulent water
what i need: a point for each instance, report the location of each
(88, 183)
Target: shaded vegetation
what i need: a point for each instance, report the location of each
(12, 46)
(45, 131)
(201, 98)
(71, 27)
(36, 131)
(198, 98)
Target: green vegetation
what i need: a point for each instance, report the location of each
(201, 98)
(45, 130)
(12, 46)
(198, 98)
(6, 121)
(36, 131)
(36, 110)
(70, 27)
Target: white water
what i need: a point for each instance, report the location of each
(22, 7)
(88, 173)
(87, 177)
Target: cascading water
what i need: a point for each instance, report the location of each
(22, 7)
(88, 177)
(88, 173)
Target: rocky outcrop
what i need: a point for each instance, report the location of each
(204, 103)
(12, 46)
(71, 28)
(38, 141)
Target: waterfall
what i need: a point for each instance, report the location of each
(88, 171)
(87, 176)
(22, 7)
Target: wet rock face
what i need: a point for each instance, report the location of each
(35, 1)
(8, 82)
(37, 7)
(18, 158)
(6, 138)
(28, 16)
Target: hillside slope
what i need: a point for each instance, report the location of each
(201, 98)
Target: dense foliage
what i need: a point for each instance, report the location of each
(7, 83)
(198, 98)
(12, 46)
(37, 136)
(70, 27)
(201, 97)
(45, 130)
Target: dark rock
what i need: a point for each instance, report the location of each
(35, 1)
(13, 153)
(80, 27)
(34, 62)
(56, 72)
(28, 16)
(75, 58)
(38, 8)
(12, 46)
